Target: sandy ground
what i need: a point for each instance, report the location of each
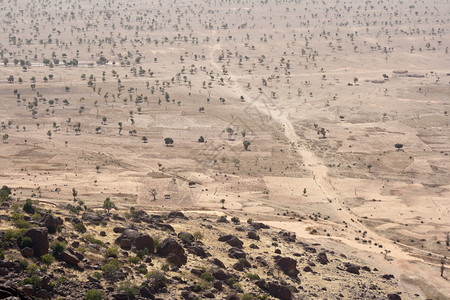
(274, 74)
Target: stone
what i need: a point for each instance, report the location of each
(279, 291)
(42, 294)
(177, 214)
(27, 252)
(4, 271)
(218, 263)
(394, 297)
(220, 275)
(140, 240)
(177, 260)
(231, 240)
(288, 266)
(50, 222)
(322, 258)
(39, 236)
(169, 245)
(70, 259)
(90, 217)
(125, 244)
(253, 236)
(236, 253)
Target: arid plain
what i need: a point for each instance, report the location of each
(329, 120)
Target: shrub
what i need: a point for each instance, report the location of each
(156, 243)
(185, 237)
(134, 260)
(157, 280)
(198, 236)
(2, 255)
(142, 270)
(26, 242)
(47, 259)
(58, 248)
(129, 288)
(61, 280)
(252, 276)
(23, 263)
(235, 220)
(95, 294)
(247, 297)
(111, 252)
(201, 286)
(207, 276)
(80, 227)
(32, 268)
(97, 275)
(34, 280)
(22, 224)
(91, 239)
(111, 267)
(142, 253)
(36, 217)
(28, 206)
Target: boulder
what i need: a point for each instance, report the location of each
(27, 252)
(93, 218)
(139, 240)
(253, 236)
(125, 244)
(322, 258)
(218, 263)
(171, 247)
(232, 240)
(257, 225)
(176, 260)
(394, 297)
(42, 294)
(236, 253)
(279, 291)
(288, 266)
(199, 251)
(50, 222)
(70, 258)
(3, 272)
(39, 236)
(220, 275)
(177, 214)
(352, 268)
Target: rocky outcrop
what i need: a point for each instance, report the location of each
(39, 236)
(139, 240)
(287, 265)
(171, 246)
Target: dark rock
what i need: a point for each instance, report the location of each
(233, 297)
(118, 229)
(287, 236)
(39, 236)
(169, 245)
(257, 225)
(75, 244)
(288, 266)
(177, 260)
(12, 293)
(231, 240)
(309, 249)
(27, 252)
(102, 233)
(177, 214)
(199, 251)
(353, 269)
(120, 295)
(261, 261)
(208, 295)
(70, 259)
(28, 289)
(307, 269)
(187, 295)
(220, 275)
(394, 297)
(4, 272)
(322, 258)
(253, 236)
(217, 284)
(93, 218)
(279, 291)
(140, 240)
(165, 227)
(366, 268)
(236, 253)
(197, 272)
(125, 244)
(5, 218)
(388, 276)
(238, 267)
(145, 293)
(277, 251)
(42, 294)
(50, 222)
(218, 263)
(253, 246)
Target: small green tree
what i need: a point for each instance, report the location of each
(108, 205)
